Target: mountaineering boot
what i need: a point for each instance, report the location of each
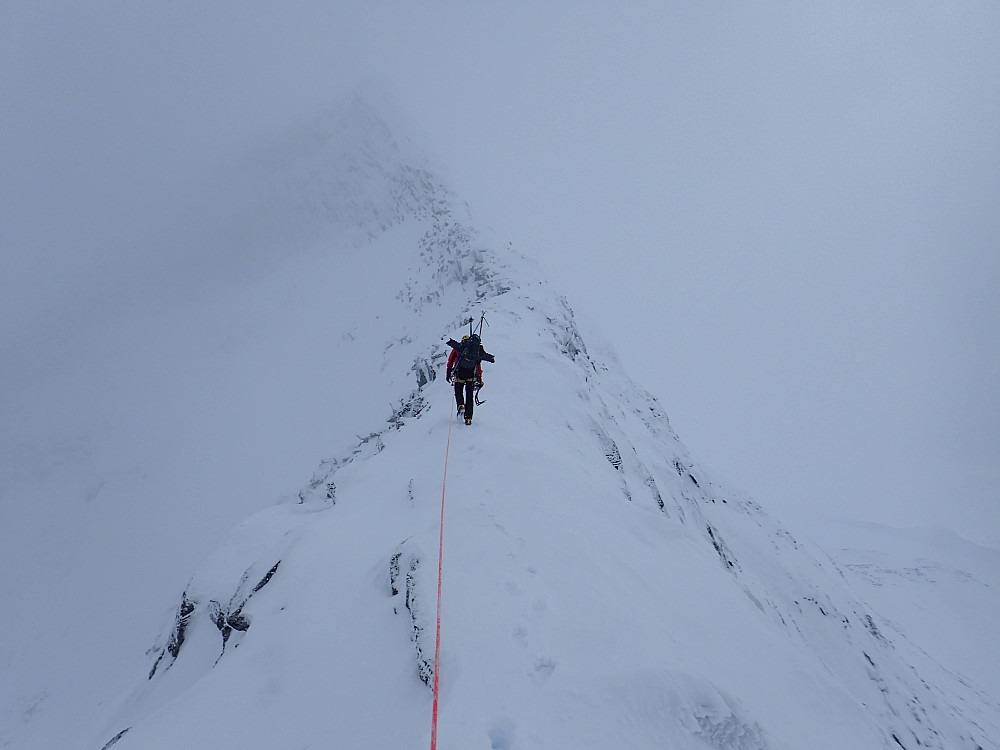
(461, 409)
(468, 420)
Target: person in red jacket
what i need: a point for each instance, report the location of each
(465, 368)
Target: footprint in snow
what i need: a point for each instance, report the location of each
(544, 668)
(502, 735)
(520, 635)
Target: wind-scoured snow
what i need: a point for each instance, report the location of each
(931, 585)
(601, 588)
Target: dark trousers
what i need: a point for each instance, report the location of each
(465, 391)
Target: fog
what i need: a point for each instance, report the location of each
(784, 216)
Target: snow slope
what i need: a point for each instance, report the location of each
(937, 588)
(600, 587)
(132, 441)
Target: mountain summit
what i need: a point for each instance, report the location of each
(600, 588)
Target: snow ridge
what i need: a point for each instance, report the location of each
(601, 588)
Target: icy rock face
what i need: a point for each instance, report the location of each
(601, 589)
(225, 612)
(403, 568)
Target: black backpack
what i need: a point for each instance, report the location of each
(468, 354)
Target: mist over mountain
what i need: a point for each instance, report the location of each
(221, 517)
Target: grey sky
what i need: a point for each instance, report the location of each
(795, 204)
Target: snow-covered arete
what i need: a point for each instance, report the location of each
(601, 588)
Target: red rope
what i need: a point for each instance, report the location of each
(437, 637)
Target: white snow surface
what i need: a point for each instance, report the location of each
(601, 588)
(934, 586)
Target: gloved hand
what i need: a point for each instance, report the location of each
(479, 384)
(448, 378)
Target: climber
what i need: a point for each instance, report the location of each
(466, 369)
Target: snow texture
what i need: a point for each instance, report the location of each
(601, 588)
